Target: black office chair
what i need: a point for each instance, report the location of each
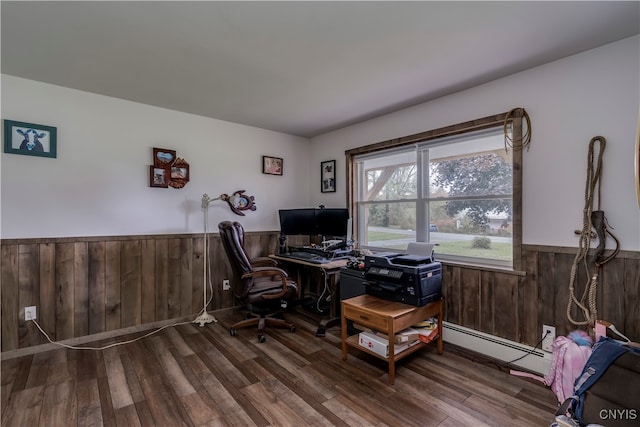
(257, 282)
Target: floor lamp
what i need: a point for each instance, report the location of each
(205, 317)
(238, 202)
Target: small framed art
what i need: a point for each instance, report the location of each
(29, 139)
(272, 165)
(163, 158)
(179, 173)
(158, 176)
(328, 176)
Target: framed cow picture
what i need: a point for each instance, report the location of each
(30, 139)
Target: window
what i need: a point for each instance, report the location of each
(458, 190)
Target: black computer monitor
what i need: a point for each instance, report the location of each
(328, 222)
(332, 222)
(298, 222)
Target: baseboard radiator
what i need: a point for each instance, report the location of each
(498, 348)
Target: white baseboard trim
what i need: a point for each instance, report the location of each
(538, 361)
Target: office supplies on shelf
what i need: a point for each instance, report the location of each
(380, 345)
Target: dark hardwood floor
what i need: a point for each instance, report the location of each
(201, 376)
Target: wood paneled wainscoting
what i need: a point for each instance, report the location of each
(516, 305)
(85, 286)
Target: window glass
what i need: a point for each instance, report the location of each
(458, 196)
(390, 225)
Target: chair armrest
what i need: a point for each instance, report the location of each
(263, 261)
(270, 271)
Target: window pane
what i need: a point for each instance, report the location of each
(476, 231)
(390, 177)
(389, 225)
(476, 167)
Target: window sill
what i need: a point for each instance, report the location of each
(483, 267)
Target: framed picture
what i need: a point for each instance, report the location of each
(158, 177)
(179, 173)
(29, 139)
(272, 165)
(328, 176)
(163, 158)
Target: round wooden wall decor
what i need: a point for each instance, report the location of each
(179, 173)
(239, 202)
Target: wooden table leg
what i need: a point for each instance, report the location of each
(439, 317)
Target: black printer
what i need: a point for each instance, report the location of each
(410, 279)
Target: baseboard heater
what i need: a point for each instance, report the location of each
(538, 361)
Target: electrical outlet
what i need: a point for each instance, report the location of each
(30, 313)
(225, 285)
(548, 336)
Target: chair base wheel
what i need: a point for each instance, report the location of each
(261, 338)
(233, 332)
(292, 329)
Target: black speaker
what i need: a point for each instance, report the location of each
(283, 244)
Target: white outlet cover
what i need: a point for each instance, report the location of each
(548, 341)
(30, 313)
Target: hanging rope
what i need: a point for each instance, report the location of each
(589, 310)
(525, 140)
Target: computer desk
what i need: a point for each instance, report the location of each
(331, 272)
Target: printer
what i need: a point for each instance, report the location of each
(407, 278)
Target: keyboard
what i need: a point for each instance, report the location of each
(306, 256)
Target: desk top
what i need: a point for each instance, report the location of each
(331, 265)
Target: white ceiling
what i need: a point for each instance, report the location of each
(302, 68)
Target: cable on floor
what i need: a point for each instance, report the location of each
(110, 345)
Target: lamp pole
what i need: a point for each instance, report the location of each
(204, 317)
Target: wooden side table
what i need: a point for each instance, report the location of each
(387, 317)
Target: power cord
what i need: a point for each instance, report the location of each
(110, 345)
(501, 365)
(325, 290)
(530, 351)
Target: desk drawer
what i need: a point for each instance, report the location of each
(372, 320)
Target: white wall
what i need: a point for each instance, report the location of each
(569, 101)
(99, 183)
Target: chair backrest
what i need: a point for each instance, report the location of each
(232, 236)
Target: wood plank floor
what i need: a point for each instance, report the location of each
(201, 376)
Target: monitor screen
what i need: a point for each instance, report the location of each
(332, 222)
(297, 222)
(328, 222)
